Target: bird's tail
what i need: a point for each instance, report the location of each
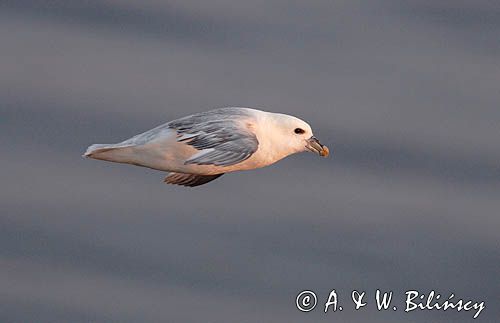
(112, 152)
(96, 148)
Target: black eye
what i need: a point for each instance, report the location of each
(299, 131)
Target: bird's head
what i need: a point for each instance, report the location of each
(297, 136)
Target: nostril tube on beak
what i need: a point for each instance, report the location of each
(314, 145)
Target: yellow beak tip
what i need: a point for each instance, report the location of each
(325, 152)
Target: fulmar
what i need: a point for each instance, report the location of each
(199, 148)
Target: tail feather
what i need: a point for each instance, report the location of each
(112, 152)
(97, 148)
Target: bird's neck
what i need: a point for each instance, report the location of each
(272, 142)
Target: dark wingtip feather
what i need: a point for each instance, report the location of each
(190, 180)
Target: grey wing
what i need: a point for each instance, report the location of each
(221, 136)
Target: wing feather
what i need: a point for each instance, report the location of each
(221, 135)
(189, 179)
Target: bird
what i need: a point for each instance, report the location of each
(199, 148)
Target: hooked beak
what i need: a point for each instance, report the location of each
(315, 146)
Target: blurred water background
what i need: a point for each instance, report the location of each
(405, 92)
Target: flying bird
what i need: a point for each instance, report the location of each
(202, 147)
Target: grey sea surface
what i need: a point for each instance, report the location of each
(406, 93)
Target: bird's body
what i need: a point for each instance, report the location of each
(203, 146)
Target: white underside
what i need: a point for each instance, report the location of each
(167, 154)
